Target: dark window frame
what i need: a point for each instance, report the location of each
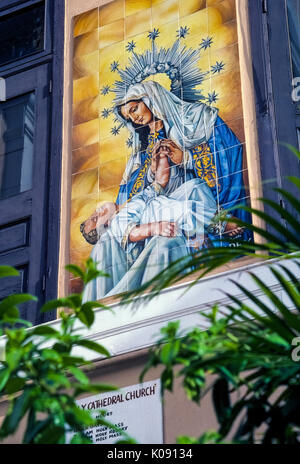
(48, 34)
(53, 56)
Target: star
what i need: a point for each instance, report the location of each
(218, 67)
(153, 34)
(105, 90)
(212, 97)
(105, 113)
(115, 130)
(131, 46)
(129, 142)
(114, 66)
(182, 32)
(206, 43)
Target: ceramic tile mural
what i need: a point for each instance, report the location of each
(158, 137)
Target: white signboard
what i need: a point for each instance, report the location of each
(136, 409)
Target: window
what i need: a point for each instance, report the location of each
(293, 10)
(24, 183)
(22, 33)
(17, 119)
(31, 62)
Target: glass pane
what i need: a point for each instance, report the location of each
(17, 117)
(293, 9)
(29, 24)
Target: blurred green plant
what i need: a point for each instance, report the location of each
(40, 376)
(250, 345)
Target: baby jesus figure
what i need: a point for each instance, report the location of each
(187, 212)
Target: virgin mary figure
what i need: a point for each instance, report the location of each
(197, 145)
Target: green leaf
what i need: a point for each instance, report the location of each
(275, 223)
(11, 313)
(34, 427)
(44, 330)
(293, 149)
(274, 323)
(291, 199)
(94, 388)
(86, 316)
(73, 360)
(79, 439)
(75, 270)
(59, 379)
(94, 304)
(221, 399)
(51, 435)
(292, 319)
(81, 416)
(170, 351)
(94, 347)
(72, 301)
(51, 355)
(283, 213)
(14, 385)
(13, 357)
(19, 409)
(14, 300)
(8, 271)
(128, 441)
(167, 378)
(289, 319)
(4, 376)
(79, 375)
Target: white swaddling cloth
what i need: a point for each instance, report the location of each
(191, 207)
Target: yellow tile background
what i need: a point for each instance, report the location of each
(138, 22)
(165, 12)
(85, 65)
(85, 158)
(86, 22)
(86, 87)
(111, 12)
(86, 43)
(111, 33)
(86, 110)
(133, 6)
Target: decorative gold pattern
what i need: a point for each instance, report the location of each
(204, 164)
(140, 181)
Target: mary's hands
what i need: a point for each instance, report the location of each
(174, 152)
(160, 166)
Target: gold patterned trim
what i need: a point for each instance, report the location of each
(140, 181)
(204, 164)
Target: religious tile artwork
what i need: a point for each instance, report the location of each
(158, 137)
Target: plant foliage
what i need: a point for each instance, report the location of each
(251, 344)
(39, 373)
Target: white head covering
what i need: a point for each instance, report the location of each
(187, 124)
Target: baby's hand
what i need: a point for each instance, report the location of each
(105, 213)
(164, 228)
(162, 174)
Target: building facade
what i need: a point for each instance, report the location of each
(83, 172)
